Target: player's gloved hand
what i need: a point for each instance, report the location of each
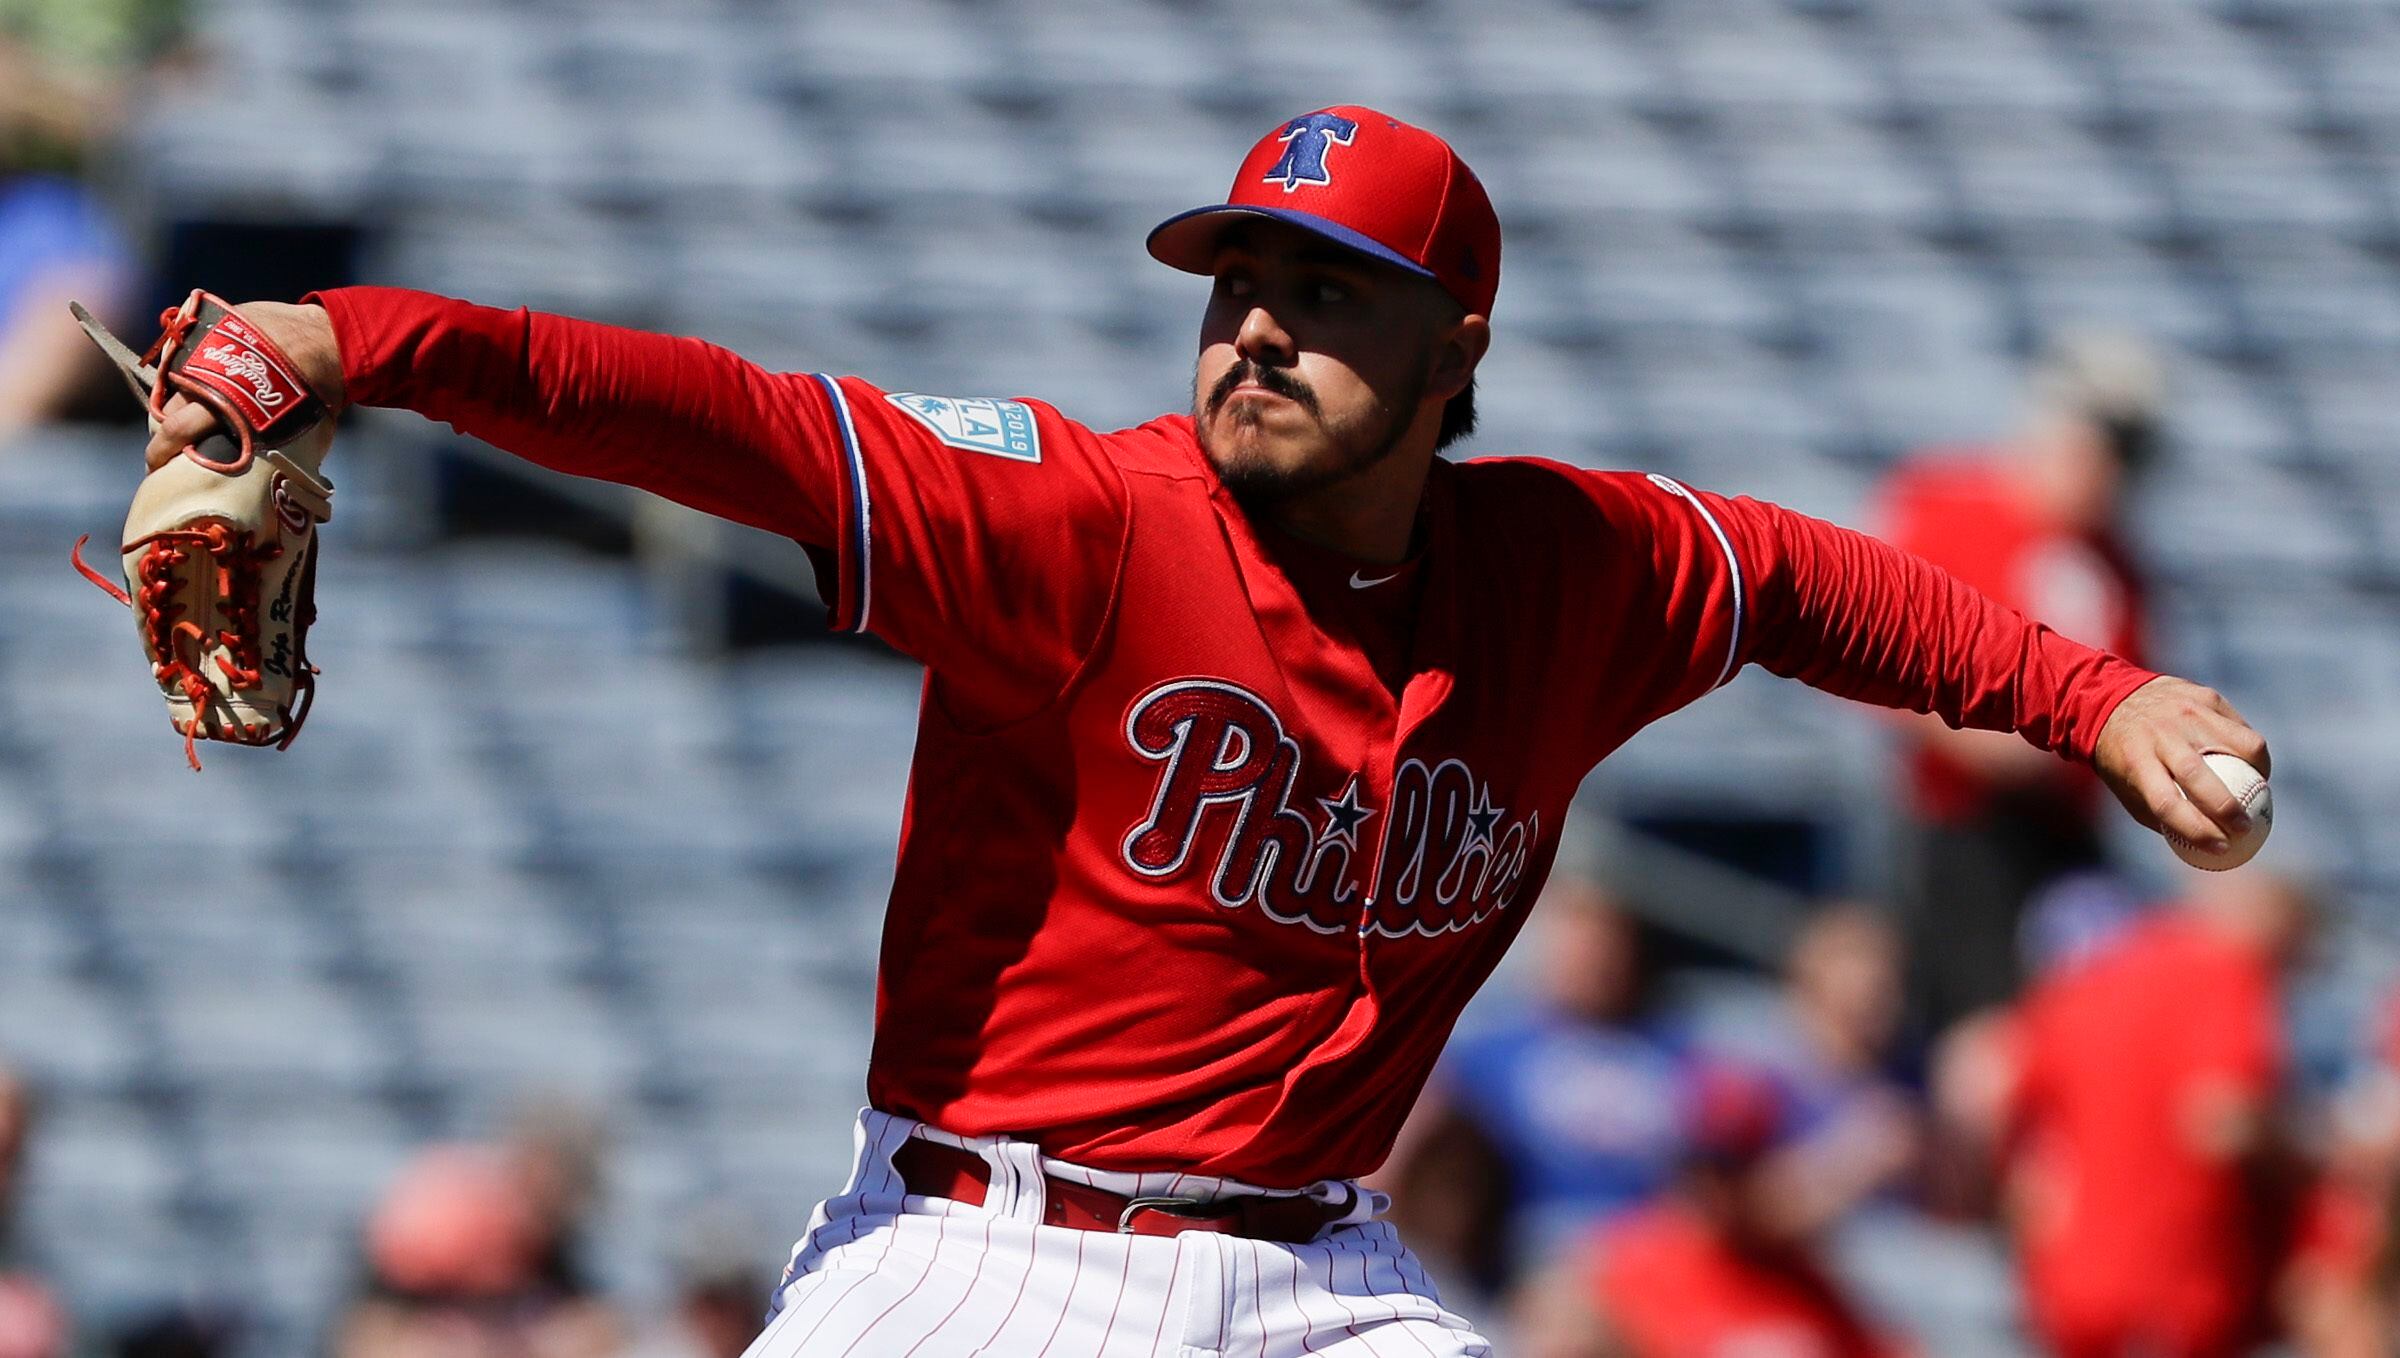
(304, 333)
(219, 550)
(2149, 755)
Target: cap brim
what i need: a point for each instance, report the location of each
(1188, 240)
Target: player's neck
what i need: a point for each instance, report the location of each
(1371, 516)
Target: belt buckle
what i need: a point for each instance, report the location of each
(1183, 1207)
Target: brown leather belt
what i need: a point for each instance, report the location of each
(934, 1170)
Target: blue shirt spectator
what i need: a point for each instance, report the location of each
(1829, 1045)
(49, 225)
(56, 245)
(1583, 1113)
(1553, 1120)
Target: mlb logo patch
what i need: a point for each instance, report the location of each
(978, 424)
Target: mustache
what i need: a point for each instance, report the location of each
(1281, 381)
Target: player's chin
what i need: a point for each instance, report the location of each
(1257, 466)
(1264, 429)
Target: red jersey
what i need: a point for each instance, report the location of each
(2128, 1229)
(1195, 873)
(1966, 516)
(1670, 1288)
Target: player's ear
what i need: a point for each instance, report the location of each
(1458, 346)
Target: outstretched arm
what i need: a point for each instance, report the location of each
(678, 417)
(968, 534)
(1846, 613)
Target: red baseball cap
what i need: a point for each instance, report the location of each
(1364, 180)
(1731, 1114)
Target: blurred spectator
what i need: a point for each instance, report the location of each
(32, 1324)
(554, 1145)
(2340, 1294)
(56, 246)
(67, 68)
(16, 1134)
(178, 1331)
(1555, 1314)
(455, 1256)
(2148, 1180)
(721, 1284)
(2074, 917)
(1853, 1123)
(1724, 1264)
(1534, 1130)
(69, 71)
(2035, 524)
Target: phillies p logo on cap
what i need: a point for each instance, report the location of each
(1366, 181)
(1306, 140)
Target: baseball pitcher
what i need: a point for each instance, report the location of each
(1246, 739)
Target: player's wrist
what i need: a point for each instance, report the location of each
(304, 332)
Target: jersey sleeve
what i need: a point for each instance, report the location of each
(1740, 581)
(980, 537)
(1640, 601)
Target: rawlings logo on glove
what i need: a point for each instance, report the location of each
(250, 367)
(220, 548)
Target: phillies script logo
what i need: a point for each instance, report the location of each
(1227, 772)
(248, 365)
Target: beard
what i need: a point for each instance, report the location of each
(1257, 481)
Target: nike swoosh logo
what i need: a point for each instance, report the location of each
(1359, 581)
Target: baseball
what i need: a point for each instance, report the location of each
(2245, 783)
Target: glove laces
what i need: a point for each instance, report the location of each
(179, 646)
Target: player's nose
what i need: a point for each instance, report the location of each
(1262, 339)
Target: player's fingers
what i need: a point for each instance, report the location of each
(2135, 802)
(2204, 789)
(2227, 732)
(185, 424)
(2175, 813)
(2223, 706)
(2220, 726)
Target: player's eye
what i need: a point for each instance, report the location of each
(1235, 284)
(1331, 294)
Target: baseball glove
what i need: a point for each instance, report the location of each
(220, 548)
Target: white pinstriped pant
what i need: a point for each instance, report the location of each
(885, 1274)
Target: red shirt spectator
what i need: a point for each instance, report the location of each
(2138, 1128)
(2032, 522)
(1972, 516)
(1724, 1265)
(2338, 1293)
(1673, 1287)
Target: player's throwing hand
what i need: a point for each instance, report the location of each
(2150, 752)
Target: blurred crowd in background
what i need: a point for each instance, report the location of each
(1622, 1161)
(1632, 1168)
(1633, 1150)
(475, 1250)
(66, 72)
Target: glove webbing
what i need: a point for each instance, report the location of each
(164, 628)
